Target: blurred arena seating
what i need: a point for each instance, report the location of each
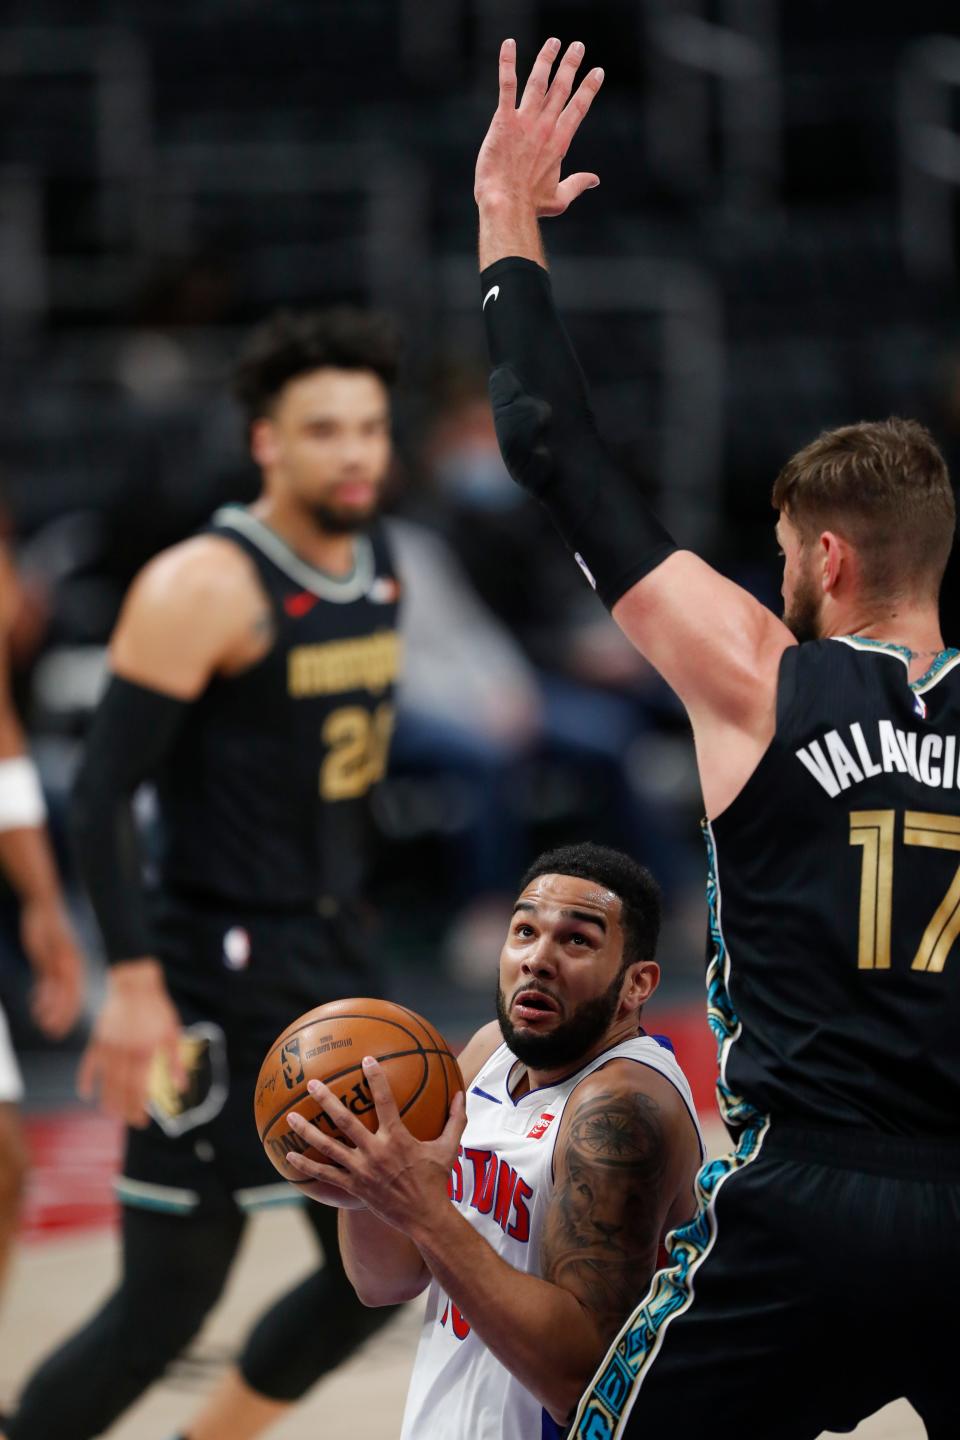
(772, 250)
(168, 174)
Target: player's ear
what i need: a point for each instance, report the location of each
(835, 553)
(264, 446)
(642, 979)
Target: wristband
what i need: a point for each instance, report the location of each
(21, 798)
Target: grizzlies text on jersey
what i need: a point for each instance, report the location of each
(264, 796)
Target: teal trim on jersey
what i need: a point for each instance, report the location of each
(606, 1405)
(342, 589)
(904, 653)
(943, 662)
(608, 1401)
(721, 1015)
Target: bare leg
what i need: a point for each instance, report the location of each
(236, 1411)
(13, 1171)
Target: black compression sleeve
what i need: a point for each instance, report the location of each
(131, 731)
(548, 435)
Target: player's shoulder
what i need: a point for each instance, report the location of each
(206, 569)
(624, 1077)
(478, 1050)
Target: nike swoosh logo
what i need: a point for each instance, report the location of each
(486, 1095)
(491, 294)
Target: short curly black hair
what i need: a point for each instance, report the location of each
(287, 345)
(638, 891)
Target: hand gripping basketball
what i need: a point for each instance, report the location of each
(328, 1044)
(387, 1170)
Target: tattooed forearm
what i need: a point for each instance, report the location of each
(603, 1227)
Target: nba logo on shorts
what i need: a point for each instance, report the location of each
(541, 1127)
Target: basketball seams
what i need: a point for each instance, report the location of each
(314, 1018)
(435, 1046)
(436, 1040)
(419, 1050)
(369, 1026)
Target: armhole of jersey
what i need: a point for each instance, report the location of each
(249, 549)
(786, 689)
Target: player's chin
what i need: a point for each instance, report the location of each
(346, 518)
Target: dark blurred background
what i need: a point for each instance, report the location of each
(772, 250)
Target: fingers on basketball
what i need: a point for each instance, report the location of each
(419, 1076)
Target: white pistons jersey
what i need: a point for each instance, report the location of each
(502, 1182)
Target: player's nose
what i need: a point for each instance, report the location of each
(542, 960)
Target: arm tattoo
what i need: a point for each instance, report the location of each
(602, 1228)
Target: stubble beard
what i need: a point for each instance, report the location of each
(803, 617)
(341, 522)
(569, 1041)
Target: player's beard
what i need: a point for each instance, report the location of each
(336, 521)
(573, 1038)
(803, 617)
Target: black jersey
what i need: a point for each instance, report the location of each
(264, 796)
(835, 888)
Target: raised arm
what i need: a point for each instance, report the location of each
(189, 613)
(714, 644)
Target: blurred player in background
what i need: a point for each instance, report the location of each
(828, 747)
(252, 671)
(27, 862)
(579, 1153)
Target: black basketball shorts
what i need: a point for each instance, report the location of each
(237, 980)
(815, 1285)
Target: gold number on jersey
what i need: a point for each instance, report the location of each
(356, 756)
(938, 832)
(873, 831)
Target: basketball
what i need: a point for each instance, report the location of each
(329, 1044)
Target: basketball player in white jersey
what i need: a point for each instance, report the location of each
(574, 1153)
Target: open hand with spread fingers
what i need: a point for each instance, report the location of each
(525, 146)
(392, 1174)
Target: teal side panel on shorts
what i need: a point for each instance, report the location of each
(608, 1402)
(170, 1199)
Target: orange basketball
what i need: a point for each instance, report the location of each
(329, 1044)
